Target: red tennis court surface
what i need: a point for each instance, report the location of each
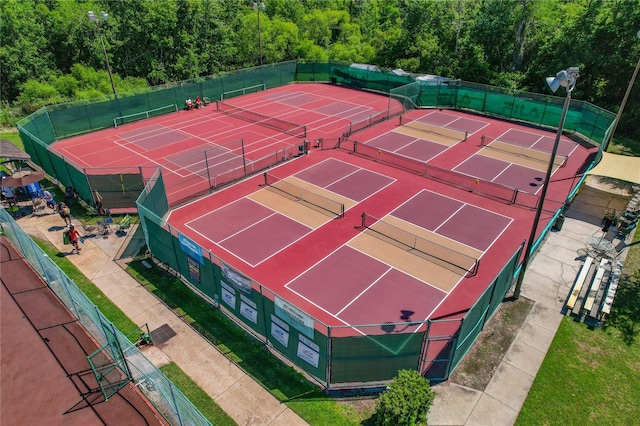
(46, 377)
(332, 267)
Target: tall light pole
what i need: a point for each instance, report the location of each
(624, 100)
(259, 7)
(567, 79)
(99, 21)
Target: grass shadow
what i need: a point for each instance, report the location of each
(625, 312)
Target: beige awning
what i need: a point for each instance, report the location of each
(617, 166)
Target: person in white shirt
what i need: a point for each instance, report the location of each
(48, 198)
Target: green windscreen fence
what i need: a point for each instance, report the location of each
(154, 199)
(583, 119)
(367, 78)
(309, 71)
(408, 95)
(118, 190)
(200, 273)
(298, 336)
(374, 357)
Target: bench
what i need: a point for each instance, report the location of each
(595, 285)
(580, 280)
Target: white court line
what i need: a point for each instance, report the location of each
(311, 302)
(136, 153)
(357, 169)
(485, 124)
(448, 219)
(219, 243)
(451, 198)
(364, 291)
(273, 213)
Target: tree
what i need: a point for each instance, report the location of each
(406, 402)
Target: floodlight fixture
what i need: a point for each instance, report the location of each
(565, 78)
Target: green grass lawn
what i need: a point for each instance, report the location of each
(592, 376)
(589, 377)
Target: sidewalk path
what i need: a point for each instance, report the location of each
(237, 394)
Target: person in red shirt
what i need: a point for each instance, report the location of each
(74, 237)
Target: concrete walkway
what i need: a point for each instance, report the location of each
(547, 282)
(237, 394)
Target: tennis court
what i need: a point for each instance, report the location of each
(392, 228)
(46, 376)
(225, 141)
(283, 211)
(333, 229)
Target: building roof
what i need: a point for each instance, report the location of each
(9, 151)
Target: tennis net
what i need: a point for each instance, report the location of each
(466, 182)
(441, 255)
(520, 151)
(287, 127)
(301, 194)
(441, 131)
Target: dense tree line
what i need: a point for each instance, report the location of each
(51, 52)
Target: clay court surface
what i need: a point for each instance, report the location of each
(45, 372)
(375, 239)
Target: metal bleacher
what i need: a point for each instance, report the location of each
(594, 289)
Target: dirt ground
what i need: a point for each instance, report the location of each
(477, 367)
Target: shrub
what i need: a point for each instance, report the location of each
(407, 400)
